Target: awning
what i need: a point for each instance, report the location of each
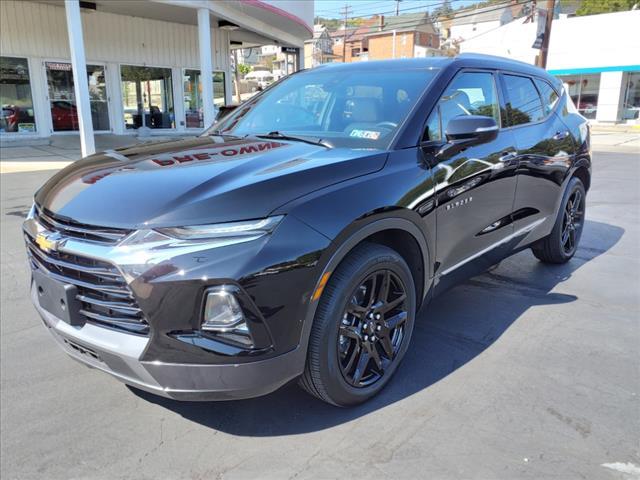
(587, 70)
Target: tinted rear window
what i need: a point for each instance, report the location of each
(549, 95)
(523, 101)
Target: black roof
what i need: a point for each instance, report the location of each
(463, 60)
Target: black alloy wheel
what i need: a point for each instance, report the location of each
(362, 326)
(572, 222)
(372, 328)
(562, 243)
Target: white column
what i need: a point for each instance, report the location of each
(39, 96)
(114, 86)
(609, 96)
(178, 99)
(206, 74)
(81, 85)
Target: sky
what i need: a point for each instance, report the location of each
(366, 8)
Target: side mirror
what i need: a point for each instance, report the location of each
(465, 131)
(474, 128)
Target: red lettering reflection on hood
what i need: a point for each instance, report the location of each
(225, 152)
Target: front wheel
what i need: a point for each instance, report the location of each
(362, 327)
(561, 244)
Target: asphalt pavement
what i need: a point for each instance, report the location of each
(528, 371)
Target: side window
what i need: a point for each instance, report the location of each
(523, 101)
(470, 93)
(549, 95)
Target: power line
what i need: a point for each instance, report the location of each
(358, 7)
(418, 7)
(345, 11)
(423, 7)
(413, 23)
(492, 29)
(385, 13)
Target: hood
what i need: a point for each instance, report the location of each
(202, 180)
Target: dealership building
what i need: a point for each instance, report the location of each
(140, 62)
(597, 57)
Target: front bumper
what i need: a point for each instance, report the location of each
(118, 354)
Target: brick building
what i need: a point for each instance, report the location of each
(403, 36)
(352, 45)
(413, 35)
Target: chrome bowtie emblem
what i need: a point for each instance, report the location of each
(49, 242)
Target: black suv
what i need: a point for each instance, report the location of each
(298, 237)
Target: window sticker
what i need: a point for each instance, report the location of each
(369, 134)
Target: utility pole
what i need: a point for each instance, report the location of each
(398, 7)
(346, 10)
(544, 49)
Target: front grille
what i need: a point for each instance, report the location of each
(104, 294)
(89, 233)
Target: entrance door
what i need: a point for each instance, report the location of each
(62, 98)
(147, 97)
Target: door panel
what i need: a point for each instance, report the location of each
(545, 150)
(475, 188)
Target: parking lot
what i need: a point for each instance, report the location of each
(527, 371)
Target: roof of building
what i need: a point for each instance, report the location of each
(403, 23)
(489, 13)
(355, 34)
(400, 23)
(318, 30)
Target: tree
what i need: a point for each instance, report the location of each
(594, 7)
(243, 69)
(443, 11)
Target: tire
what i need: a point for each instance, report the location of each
(557, 248)
(333, 370)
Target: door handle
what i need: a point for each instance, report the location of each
(561, 135)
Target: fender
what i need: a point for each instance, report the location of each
(389, 223)
(578, 163)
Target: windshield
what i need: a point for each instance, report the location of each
(348, 108)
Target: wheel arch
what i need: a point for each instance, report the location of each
(391, 232)
(584, 174)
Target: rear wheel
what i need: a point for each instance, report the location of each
(362, 327)
(561, 244)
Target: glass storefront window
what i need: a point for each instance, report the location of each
(583, 90)
(193, 96)
(15, 96)
(631, 105)
(98, 97)
(62, 97)
(147, 97)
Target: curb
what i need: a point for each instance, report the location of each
(19, 167)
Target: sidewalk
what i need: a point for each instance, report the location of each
(616, 138)
(64, 150)
(61, 151)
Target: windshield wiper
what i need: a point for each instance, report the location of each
(283, 136)
(219, 133)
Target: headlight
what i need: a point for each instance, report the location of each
(235, 232)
